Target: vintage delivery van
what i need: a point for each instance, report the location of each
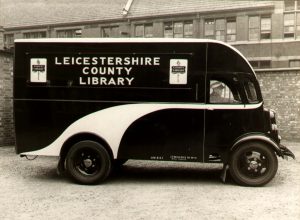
(96, 103)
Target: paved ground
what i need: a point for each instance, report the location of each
(144, 190)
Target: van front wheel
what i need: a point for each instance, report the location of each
(253, 164)
(88, 162)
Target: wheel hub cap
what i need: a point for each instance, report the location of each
(253, 165)
(87, 163)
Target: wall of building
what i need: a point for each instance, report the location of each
(281, 93)
(6, 104)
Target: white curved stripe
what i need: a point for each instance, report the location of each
(111, 123)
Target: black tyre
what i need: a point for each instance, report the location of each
(88, 162)
(253, 164)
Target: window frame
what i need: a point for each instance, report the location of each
(143, 30)
(291, 30)
(253, 27)
(220, 28)
(228, 21)
(213, 29)
(9, 39)
(289, 7)
(259, 28)
(289, 34)
(267, 31)
(250, 96)
(227, 93)
(259, 64)
(185, 29)
(111, 29)
(35, 34)
(294, 61)
(211, 22)
(68, 33)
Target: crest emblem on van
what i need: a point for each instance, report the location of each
(38, 70)
(178, 71)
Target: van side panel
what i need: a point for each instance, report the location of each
(170, 134)
(75, 88)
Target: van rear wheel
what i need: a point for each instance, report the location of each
(253, 164)
(88, 162)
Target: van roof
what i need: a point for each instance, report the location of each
(118, 40)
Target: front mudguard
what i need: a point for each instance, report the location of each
(285, 152)
(280, 149)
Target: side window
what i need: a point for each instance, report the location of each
(250, 92)
(222, 94)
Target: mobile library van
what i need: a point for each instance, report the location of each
(96, 103)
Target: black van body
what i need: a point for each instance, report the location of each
(99, 102)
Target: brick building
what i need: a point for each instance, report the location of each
(266, 32)
(6, 117)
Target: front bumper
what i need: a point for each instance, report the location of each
(286, 152)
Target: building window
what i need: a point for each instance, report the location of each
(71, 33)
(110, 31)
(298, 25)
(178, 29)
(289, 25)
(254, 28)
(188, 29)
(294, 63)
(209, 27)
(289, 5)
(265, 27)
(39, 34)
(261, 64)
(259, 27)
(265, 64)
(168, 30)
(254, 64)
(144, 30)
(292, 19)
(9, 39)
(220, 29)
(231, 29)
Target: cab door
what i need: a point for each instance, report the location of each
(224, 114)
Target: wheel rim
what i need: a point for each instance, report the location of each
(254, 164)
(87, 162)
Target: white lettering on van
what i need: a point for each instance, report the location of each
(107, 70)
(103, 81)
(57, 62)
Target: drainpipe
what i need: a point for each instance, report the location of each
(127, 8)
(1, 38)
